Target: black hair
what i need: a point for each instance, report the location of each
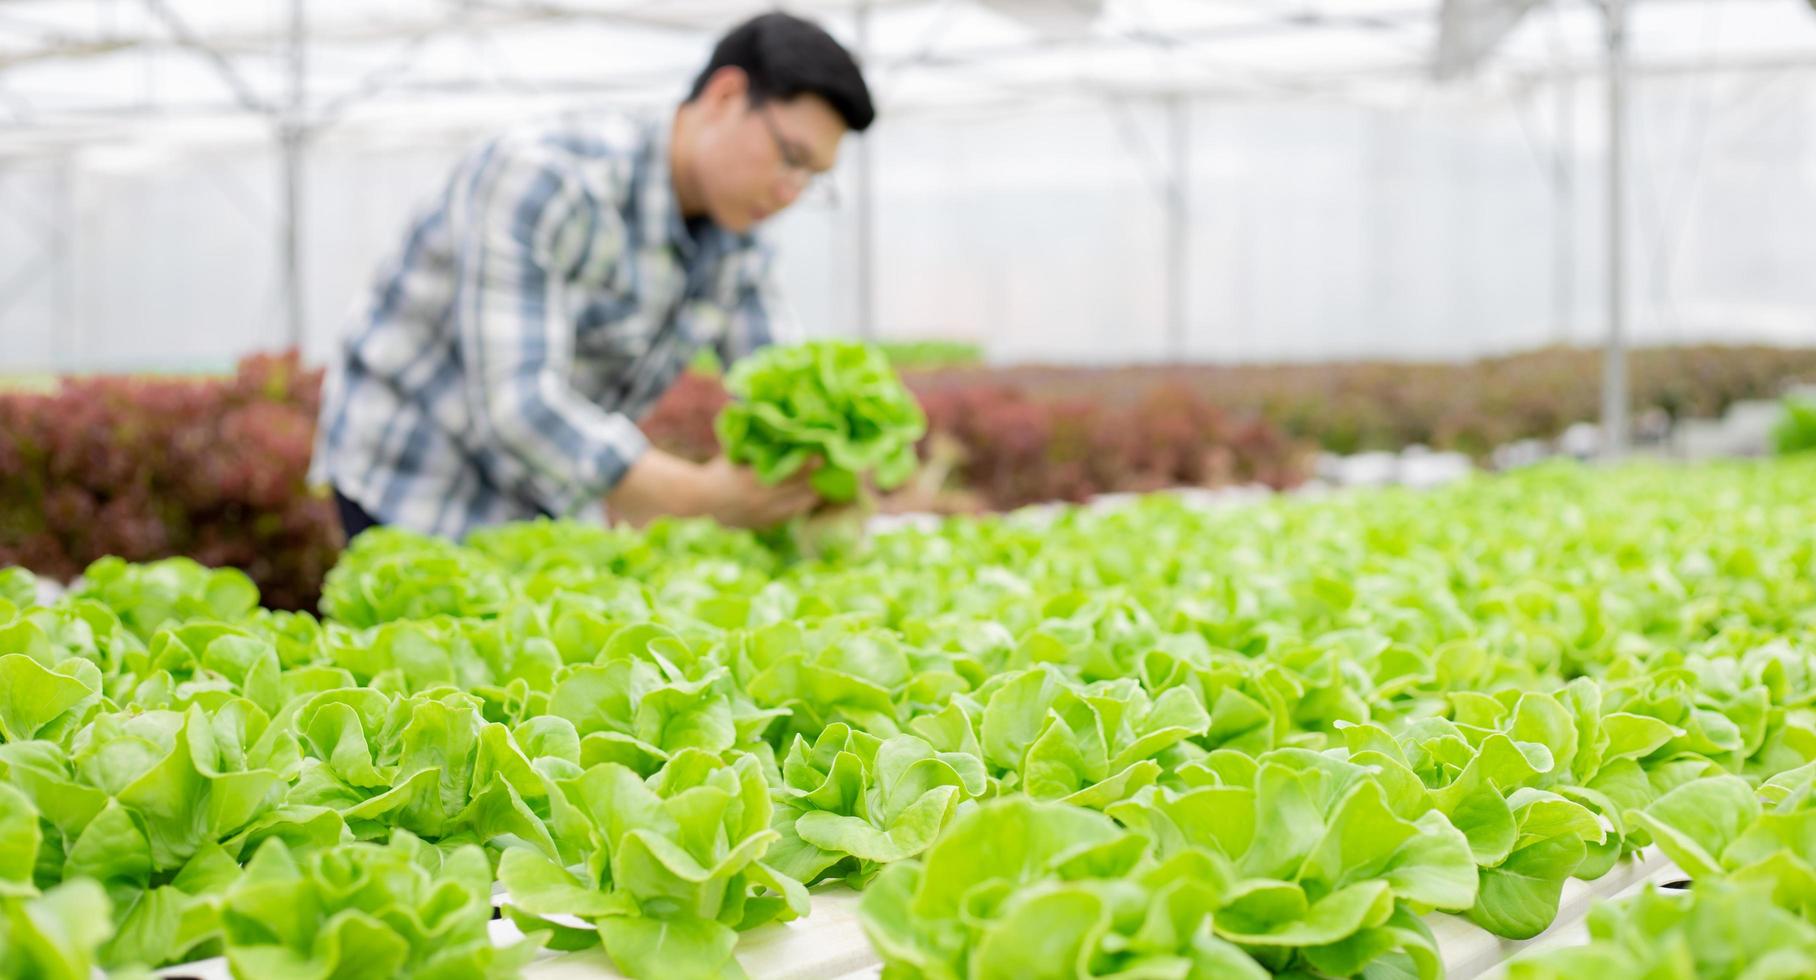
(785, 56)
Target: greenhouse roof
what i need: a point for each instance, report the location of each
(81, 70)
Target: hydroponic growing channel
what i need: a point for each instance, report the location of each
(1382, 734)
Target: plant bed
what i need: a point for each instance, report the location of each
(1218, 740)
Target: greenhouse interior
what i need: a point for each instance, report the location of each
(998, 489)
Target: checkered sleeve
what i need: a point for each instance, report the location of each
(525, 223)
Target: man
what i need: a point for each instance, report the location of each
(561, 282)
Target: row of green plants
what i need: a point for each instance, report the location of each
(1749, 907)
(214, 468)
(1143, 742)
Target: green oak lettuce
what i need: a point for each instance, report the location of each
(399, 909)
(834, 403)
(1751, 857)
(1020, 888)
(851, 802)
(673, 866)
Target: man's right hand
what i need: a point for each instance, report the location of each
(661, 484)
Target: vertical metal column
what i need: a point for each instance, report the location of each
(864, 212)
(1614, 361)
(1563, 244)
(292, 134)
(62, 269)
(1178, 223)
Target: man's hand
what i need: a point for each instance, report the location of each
(661, 484)
(736, 498)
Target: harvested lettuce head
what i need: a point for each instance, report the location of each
(833, 402)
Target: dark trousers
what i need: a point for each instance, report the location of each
(353, 517)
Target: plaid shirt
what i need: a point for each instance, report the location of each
(541, 305)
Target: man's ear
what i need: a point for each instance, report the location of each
(727, 87)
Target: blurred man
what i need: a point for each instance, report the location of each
(561, 282)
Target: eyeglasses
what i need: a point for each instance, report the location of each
(813, 184)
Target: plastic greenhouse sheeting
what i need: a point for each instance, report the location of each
(1434, 220)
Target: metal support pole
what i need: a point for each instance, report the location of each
(1178, 223)
(63, 292)
(292, 137)
(1614, 363)
(1563, 247)
(290, 245)
(864, 210)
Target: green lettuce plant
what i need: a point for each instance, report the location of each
(1796, 428)
(53, 933)
(851, 802)
(399, 909)
(1021, 888)
(674, 864)
(832, 403)
(1751, 857)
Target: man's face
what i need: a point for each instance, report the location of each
(756, 159)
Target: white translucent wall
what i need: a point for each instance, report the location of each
(1318, 229)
